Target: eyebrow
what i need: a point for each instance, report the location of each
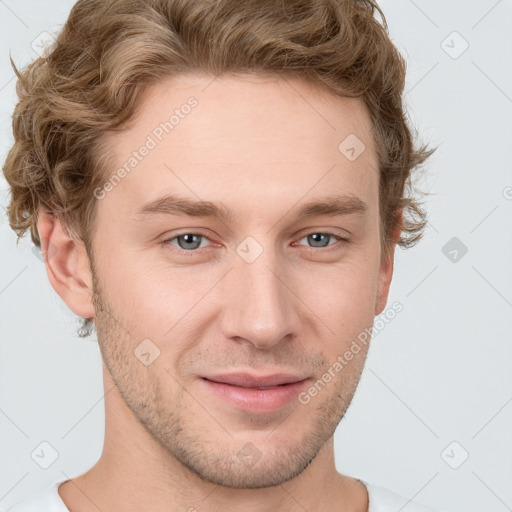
(337, 205)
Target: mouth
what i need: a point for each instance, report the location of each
(247, 380)
(257, 394)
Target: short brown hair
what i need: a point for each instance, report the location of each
(109, 51)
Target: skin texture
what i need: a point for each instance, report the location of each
(262, 147)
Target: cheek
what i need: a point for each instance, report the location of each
(154, 301)
(348, 287)
(344, 300)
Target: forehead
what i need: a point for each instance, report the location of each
(263, 138)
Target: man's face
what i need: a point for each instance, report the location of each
(181, 297)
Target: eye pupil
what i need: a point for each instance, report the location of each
(195, 240)
(316, 237)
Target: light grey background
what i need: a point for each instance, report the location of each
(439, 373)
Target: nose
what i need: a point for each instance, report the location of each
(259, 305)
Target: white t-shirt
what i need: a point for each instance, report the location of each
(380, 500)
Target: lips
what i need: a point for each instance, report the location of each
(256, 394)
(246, 380)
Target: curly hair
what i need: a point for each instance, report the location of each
(91, 79)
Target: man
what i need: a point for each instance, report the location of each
(218, 188)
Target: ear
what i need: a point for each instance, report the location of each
(386, 268)
(67, 264)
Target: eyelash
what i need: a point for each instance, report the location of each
(328, 248)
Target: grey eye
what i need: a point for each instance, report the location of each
(319, 239)
(188, 241)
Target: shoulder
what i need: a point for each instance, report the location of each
(382, 499)
(47, 500)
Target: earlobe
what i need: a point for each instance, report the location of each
(67, 265)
